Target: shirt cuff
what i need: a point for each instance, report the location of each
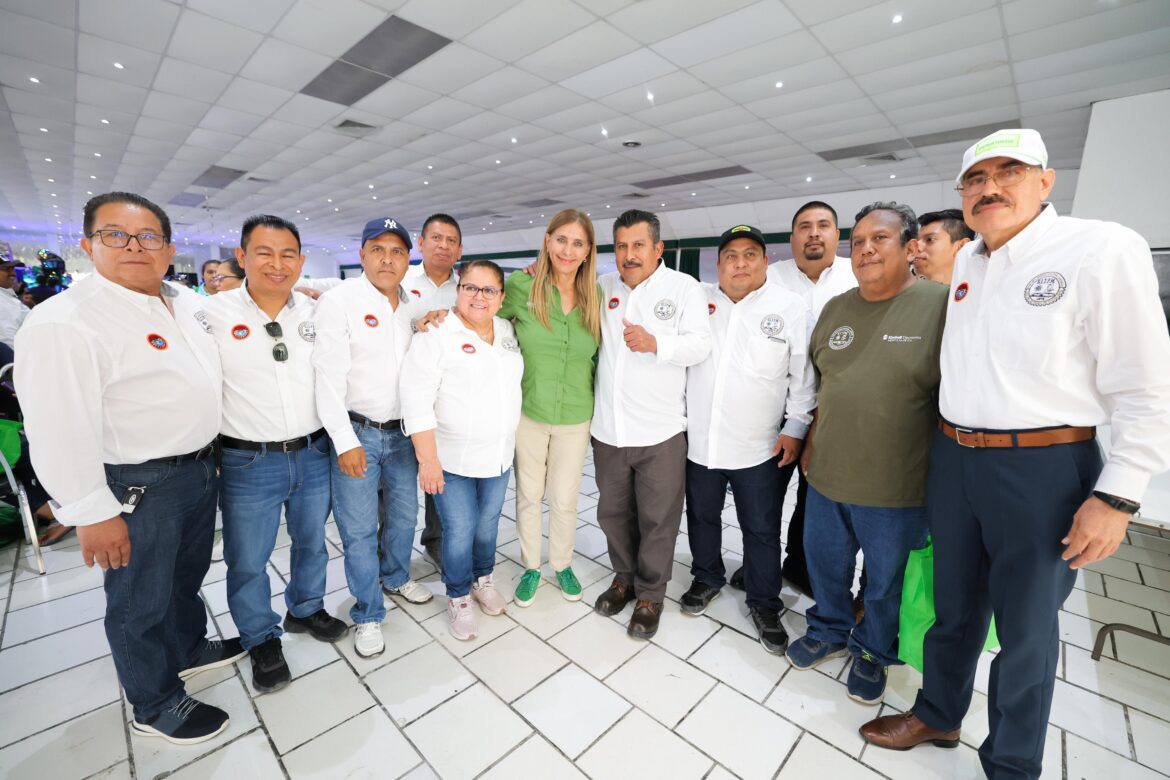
(1123, 481)
(795, 428)
(665, 347)
(344, 439)
(413, 425)
(98, 506)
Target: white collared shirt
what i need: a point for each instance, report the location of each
(264, 399)
(757, 375)
(640, 397)
(361, 343)
(107, 375)
(833, 281)
(1062, 326)
(427, 294)
(12, 314)
(468, 392)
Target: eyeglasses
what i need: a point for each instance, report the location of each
(488, 292)
(120, 239)
(279, 350)
(976, 182)
(378, 252)
(220, 277)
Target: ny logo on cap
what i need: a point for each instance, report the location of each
(391, 225)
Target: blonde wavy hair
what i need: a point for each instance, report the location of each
(588, 301)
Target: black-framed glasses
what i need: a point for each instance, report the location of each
(279, 350)
(488, 292)
(977, 182)
(120, 239)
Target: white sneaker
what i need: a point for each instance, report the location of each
(411, 591)
(490, 600)
(464, 626)
(367, 641)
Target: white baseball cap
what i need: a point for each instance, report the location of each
(1017, 143)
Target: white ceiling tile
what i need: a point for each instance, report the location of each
(543, 102)
(252, 96)
(228, 120)
(452, 18)
(329, 27)
(706, 121)
(1103, 54)
(650, 21)
(186, 79)
(1003, 98)
(395, 99)
(32, 39)
(728, 34)
(785, 102)
(944, 89)
(862, 27)
(527, 27)
(767, 60)
(908, 73)
(1107, 76)
(146, 24)
(586, 48)
(173, 108)
(308, 111)
(109, 94)
(211, 139)
(450, 68)
(625, 71)
(937, 40)
(284, 65)
(1024, 16)
(212, 42)
(584, 114)
(481, 125)
(62, 12)
(794, 79)
(994, 114)
(258, 15)
(666, 89)
(441, 113)
(54, 82)
(97, 56)
(500, 87)
(397, 134)
(161, 130)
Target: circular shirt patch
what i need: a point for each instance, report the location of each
(308, 330)
(772, 324)
(469, 349)
(510, 344)
(416, 293)
(156, 341)
(241, 332)
(710, 309)
(613, 303)
(961, 291)
(841, 337)
(1045, 289)
(371, 320)
(665, 309)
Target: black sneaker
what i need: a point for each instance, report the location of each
(695, 600)
(323, 626)
(214, 654)
(269, 670)
(187, 722)
(772, 635)
(736, 580)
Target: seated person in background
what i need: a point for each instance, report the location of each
(228, 276)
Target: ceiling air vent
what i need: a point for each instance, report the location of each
(635, 195)
(354, 129)
(887, 157)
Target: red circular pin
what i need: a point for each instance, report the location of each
(710, 309)
(241, 332)
(613, 303)
(469, 349)
(961, 291)
(371, 320)
(156, 341)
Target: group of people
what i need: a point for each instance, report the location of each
(945, 379)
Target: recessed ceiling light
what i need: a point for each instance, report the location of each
(97, 154)
(692, 194)
(44, 129)
(371, 186)
(88, 192)
(661, 204)
(897, 19)
(515, 141)
(893, 175)
(747, 186)
(336, 209)
(54, 181)
(52, 194)
(92, 176)
(779, 84)
(542, 216)
(489, 223)
(529, 222)
(298, 211)
(373, 197)
(430, 167)
(426, 182)
(605, 132)
(497, 162)
(650, 96)
(119, 66)
(808, 178)
(329, 200)
(105, 121)
(48, 159)
(483, 228)
(34, 79)
(607, 205)
(306, 219)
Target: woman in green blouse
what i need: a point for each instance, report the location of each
(557, 314)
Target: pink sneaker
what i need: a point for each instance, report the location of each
(464, 626)
(490, 600)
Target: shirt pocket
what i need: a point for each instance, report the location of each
(766, 357)
(1034, 342)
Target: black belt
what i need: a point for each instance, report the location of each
(291, 445)
(389, 425)
(199, 454)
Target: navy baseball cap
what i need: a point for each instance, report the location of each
(742, 231)
(376, 227)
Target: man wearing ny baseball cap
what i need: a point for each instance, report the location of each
(1053, 327)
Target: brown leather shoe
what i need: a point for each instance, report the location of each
(902, 732)
(614, 600)
(644, 623)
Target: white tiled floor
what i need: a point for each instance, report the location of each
(554, 690)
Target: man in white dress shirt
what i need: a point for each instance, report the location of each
(274, 451)
(120, 389)
(363, 333)
(654, 325)
(1053, 327)
(749, 405)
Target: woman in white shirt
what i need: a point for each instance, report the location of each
(460, 392)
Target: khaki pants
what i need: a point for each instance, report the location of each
(548, 465)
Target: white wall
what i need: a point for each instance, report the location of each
(1126, 164)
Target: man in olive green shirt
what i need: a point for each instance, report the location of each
(876, 353)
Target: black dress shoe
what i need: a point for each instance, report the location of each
(697, 597)
(269, 670)
(736, 580)
(614, 599)
(772, 635)
(323, 626)
(644, 623)
(434, 553)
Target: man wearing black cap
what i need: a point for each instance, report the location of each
(749, 405)
(363, 332)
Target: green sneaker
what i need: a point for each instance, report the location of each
(526, 589)
(570, 588)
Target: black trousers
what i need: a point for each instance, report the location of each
(433, 530)
(795, 567)
(997, 517)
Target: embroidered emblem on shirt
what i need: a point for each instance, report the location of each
(961, 292)
(201, 318)
(772, 324)
(665, 309)
(1045, 289)
(308, 330)
(241, 332)
(371, 320)
(416, 293)
(510, 344)
(469, 349)
(841, 337)
(156, 341)
(710, 309)
(613, 303)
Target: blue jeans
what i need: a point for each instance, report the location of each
(833, 533)
(390, 464)
(469, 508)
(155, 620)
(256, 487)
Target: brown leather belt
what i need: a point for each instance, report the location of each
(1045, 437)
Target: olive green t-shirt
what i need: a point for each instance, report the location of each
(877, 370)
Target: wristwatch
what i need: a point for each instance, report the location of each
(1121, 504)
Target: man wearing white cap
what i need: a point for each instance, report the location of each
(1053, 327)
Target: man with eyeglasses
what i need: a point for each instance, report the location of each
(275, 454)
(363, 333)
(1053, 327)
(120, 389)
